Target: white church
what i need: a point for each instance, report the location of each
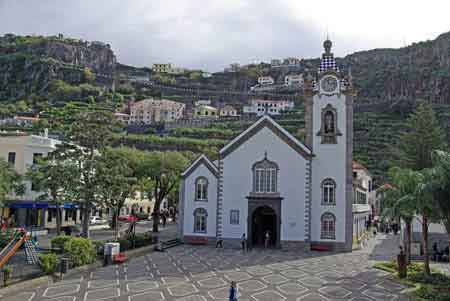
(267, 181)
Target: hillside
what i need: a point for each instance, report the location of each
(37, 73)
(29, 64)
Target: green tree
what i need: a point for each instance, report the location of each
(54, 176)
(88, 75)
(160, 172)
(10, 181)
(195, 75)
(397, 204)
(414, 151)
(423, 135)
(408, 198)
(116, 180)
(91, 131)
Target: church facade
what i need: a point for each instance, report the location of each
(267, 183)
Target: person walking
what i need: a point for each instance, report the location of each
(233, 292)
(243, 242)
(266, 240)
(164, 220)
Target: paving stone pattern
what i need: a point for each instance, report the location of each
(188, 273)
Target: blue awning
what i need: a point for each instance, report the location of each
(33, 205)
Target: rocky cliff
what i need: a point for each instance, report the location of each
(30, 64)
(419, 71)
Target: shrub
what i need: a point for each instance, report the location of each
(5, 237)
(427, 292)
(80, 250)
(125, 244)
(140, 240)
(59, 241)
(98, 245)
(49, 262)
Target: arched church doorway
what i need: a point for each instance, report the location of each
(264, 219)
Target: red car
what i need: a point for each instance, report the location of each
(127, 218)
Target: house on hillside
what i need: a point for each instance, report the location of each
(205, 112)
(270, 107)
(294, 80)
(162, 68)
(122, 117)
(228, 111)
(266, 80)
(150, 111)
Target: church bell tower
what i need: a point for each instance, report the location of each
(329, 134)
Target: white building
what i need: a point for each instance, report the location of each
(266, 80)
(203, 102)
(270, 107)
(275, 63)
(122, 117)
(291, 61)
(363, 200)
(23, 151)
(267, 181)
(293, 80)
(162, 68)
(228, 111)
(149, 111)
(177, 70)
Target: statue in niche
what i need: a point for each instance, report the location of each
(329, 123)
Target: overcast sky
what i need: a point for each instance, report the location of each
(210, 34)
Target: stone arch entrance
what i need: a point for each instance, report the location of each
(264, 219)
(264, 215)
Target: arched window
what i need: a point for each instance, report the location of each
(328, 192)
(265, 177)
(200, 220)
(201, 189)
(328, 228)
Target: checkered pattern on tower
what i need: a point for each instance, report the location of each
(328, 63)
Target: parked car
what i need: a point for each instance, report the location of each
(97, 220)
(127, 218)
(142, 216)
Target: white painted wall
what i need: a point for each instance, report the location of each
(238, 181)
(25, 147)
(190, 204)
(329, 162)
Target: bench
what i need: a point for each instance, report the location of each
(120, 258)
(197, 240)
(171, 243)
(320, 248)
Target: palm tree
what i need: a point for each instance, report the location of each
(410, 197)
(397, 203)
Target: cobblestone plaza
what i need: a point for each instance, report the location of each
(204, 273)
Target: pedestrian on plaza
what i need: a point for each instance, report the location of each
(266, 239)
(243, 242)
(219, 243)
(233, 292)
(164, 219)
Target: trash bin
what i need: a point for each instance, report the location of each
(64, 265)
